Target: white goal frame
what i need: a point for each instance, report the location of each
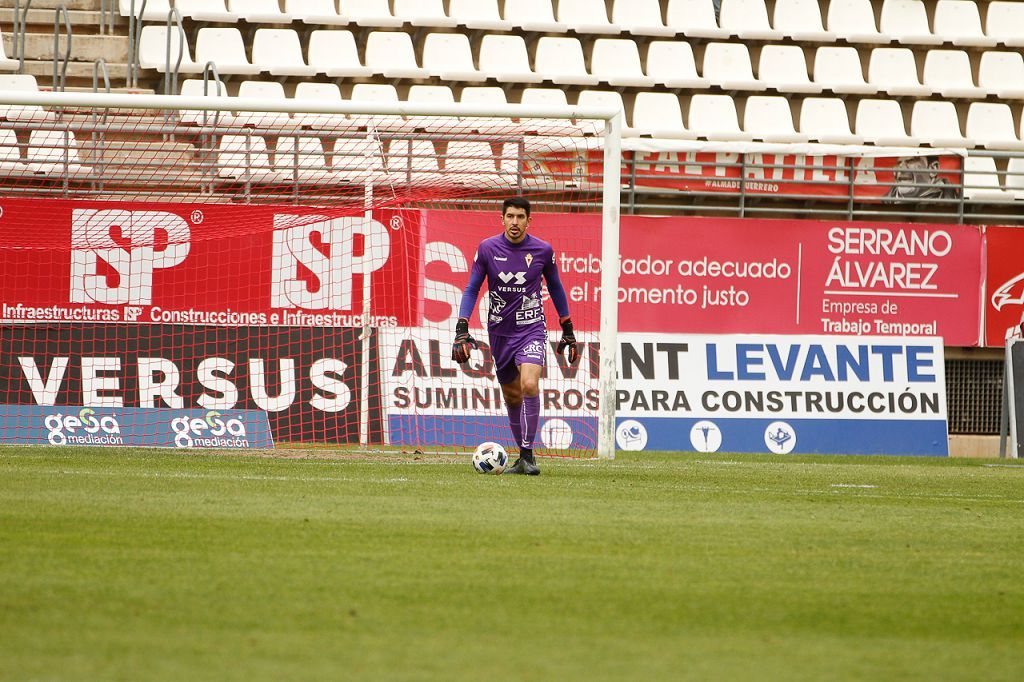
(612, 143)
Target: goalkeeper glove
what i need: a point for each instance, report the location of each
(568, 341)
(464, 343)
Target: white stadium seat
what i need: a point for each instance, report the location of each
(470, 163)
(315, 12)
(561, 61)
(301, 159)
(204, 10)
(244, 158)
(671, 63)
(357, 160)
(381, 93)
(262, 90)
(881, 121)
(958, 21)
(825, 120)
(937, 124)
(1004, 21)
(839, 69)
(22, 82)
(990, 125)
(586, 16)
(391, 54)
(727, 65)
(714, 117)
(533, 15)
(224, 47)
(156, 10)
(894, 71)
(981, 180)
(949, 72)
(504, 57)
(1002, 73)
(693, 18)
(658, 114)
(770, 119)
(547, 97)
(800, 20)
(435, 94)
(153, 50)
(747, 19)
(52, 152)
(196, 87)
(640, 17)
(10, 154)
(906, 21)
(319, 92)
(424, 13)
(448, 56)
(259, 11)
(278, 51)
(1014, 178)
(854, 20)
(6, 64)
(375, 13)
(413, 161)
(486, 96)
(784, 68)
(482, 14)
(617, 61)
(334, 53)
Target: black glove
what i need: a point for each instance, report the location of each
(568, 340)
(464, 343)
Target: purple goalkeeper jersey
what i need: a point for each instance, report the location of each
(514, 273)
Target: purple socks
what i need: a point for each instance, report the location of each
(513, 423)
(530, 417)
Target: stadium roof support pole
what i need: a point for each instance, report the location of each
(609, 285)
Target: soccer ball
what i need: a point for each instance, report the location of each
(490, 458)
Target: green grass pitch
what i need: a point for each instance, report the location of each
(150, 565)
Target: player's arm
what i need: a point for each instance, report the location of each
(558, 297)
(464, 343)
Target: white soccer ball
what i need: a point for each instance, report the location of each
(490, 458)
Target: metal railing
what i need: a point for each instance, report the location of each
(61, 11)
(20, 31)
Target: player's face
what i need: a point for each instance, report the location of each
(516, 222)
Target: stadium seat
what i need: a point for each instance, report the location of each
(981, 180)
(906, 21)
(155, 10)
(839, 69)
(937, 124)
(1014, 178)
(194, 87)
(1004, 21)
(244, 158)
(358, 160)
(319, 92)
(533, 15)
(224, 47)
(470, 163)
(670, 63)
(693, 18)
(380, 93)
(1002, 73)
(334, 53)
(259, 11)
(617, 61)
(894, 71)
(315, 12)
(424, 13)
(854, 21)
(510, 164)
(586, 16)
(640, 17)
(449, 57)
(278, 51)
(784, 68)
(881, 121)
(747, 19)
(949, 72)
(10, 155)
(561, 60)
(727, 65)
(52, 152)
(658, 114)
(391, 54)
(770, 119)
(204, 10)
(25, 83)
(435, 94)
(602, 98)
(504, 57)
(375, 13)
(479, 14)
(153, 50)
(714, 117)
(990, 125)
(263, 119)
(825, 120)
(487, 96)
(547, 97)
(301, 159)
(800, 20)
(413, 162)
(6, 64)
(958, 21)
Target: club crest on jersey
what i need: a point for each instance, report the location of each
(529, 259)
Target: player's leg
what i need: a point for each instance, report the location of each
(513, 395)
(530, 361)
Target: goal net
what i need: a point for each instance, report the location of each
(184, 257)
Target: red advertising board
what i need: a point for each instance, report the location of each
(717, 275)
(1004, 286)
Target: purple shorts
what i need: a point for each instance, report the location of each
(510, 352)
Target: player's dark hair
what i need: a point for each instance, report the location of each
(516, 202)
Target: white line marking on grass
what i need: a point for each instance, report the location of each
(853, 485)
(225, 477)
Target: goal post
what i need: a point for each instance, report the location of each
(89, 147)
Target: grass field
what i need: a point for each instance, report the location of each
(147, 565)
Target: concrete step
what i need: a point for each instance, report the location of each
(82, 21)
(79, 74)
(84, 48)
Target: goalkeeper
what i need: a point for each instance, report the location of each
(513, 263)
